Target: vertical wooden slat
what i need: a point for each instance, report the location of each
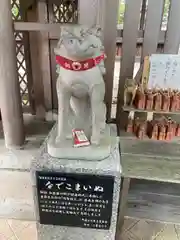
(109, 35)
(29, 71)
(23, 8)
(130, 34)
(88, 10)
(143, 14)
(44, 56)
(153, 26)
(125, 185)
(173, 31)
(151, 36)
(36, 70)
(50, 11)
(53, 44)
(52, 59)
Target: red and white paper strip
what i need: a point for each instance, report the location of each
(80, 138)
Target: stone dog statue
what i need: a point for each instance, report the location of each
(80, 84)
(130, 89)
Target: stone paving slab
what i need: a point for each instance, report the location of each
(133, 230)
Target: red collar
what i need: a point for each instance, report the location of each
(79, 65)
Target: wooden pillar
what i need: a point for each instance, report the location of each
(10, 102)
(123, 200)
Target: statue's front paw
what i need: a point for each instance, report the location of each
(103, 71)
(69, 136)
(60, 139)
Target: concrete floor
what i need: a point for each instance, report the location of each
(145, 230)
(17, 230)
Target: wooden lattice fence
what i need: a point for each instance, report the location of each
(64, 11)
(23, 59)
(60, 12)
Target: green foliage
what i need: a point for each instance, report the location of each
(15, 11)
(122, 10)
(166, 10)
(121, 13)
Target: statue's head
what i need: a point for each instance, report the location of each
(130, 82)
(79, 42)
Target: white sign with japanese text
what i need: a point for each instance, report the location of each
(164, 71)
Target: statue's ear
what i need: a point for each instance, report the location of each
(59, 43)
(63, 31)
(97, 31)
(66, 31)
(56, 49)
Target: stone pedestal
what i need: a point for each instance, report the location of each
(108, 168)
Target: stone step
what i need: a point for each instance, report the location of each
(20, 159)
(16, 196)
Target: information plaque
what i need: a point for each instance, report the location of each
(75, 200)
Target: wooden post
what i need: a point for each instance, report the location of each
(173, 30)
(34, 39)
(122, 205)
(130, 35)
(110, 34)
(10, 102)
(44, 55)
(88, 12)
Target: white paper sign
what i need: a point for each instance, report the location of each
(164, 71)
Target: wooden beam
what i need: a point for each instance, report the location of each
(37, 26)
(10, 102)
(54, 30)
(140, 37)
